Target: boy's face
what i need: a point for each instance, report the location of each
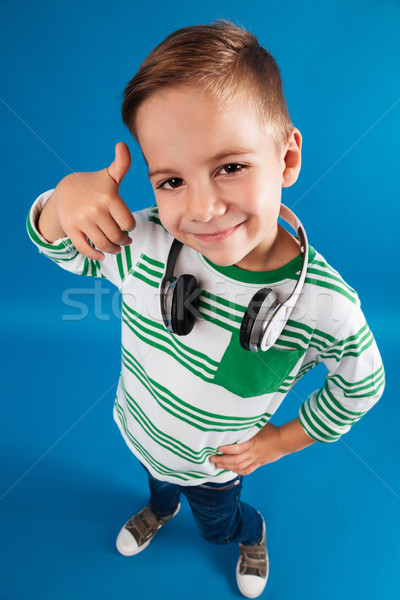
(216, 175)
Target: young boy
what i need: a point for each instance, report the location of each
(218, 328)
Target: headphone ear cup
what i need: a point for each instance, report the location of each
(184, 304)
(250, 316)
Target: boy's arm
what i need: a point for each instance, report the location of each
(293, 436)
(354, 383)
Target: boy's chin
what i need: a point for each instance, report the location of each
(222, 260)
(219, 257)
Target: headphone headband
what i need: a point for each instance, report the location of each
(165, 298)
(287, 215)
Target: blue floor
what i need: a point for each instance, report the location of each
(68, 483)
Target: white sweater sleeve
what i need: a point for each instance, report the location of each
(63, 252)
(354, 383)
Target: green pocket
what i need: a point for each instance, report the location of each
(248, 374)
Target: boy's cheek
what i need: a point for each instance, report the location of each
(167, 219)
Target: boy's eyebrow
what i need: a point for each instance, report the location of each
(219, 156)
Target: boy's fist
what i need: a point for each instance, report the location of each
(88, 205)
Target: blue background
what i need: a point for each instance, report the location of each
(68, 482)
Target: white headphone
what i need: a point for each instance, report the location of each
(265, 316)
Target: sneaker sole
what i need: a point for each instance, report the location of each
(241, 589)
(143, 546)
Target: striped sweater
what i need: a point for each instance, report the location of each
(180, 398)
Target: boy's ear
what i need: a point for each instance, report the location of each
(292, 158)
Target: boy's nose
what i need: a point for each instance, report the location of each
(204, 204)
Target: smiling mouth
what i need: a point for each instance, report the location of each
(216, 237)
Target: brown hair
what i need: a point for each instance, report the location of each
(221, 58)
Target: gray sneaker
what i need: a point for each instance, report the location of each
(138, 532)
(252, 568)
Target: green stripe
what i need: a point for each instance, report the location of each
(156, 389)
(326, 428)
(363, 349)
(325, 405)
(152, 261)
(161, 328)
(120, 266)
(295, 335)
(220, 311)
(128, 257)
(354, 341)
(172, 352)
(340, 354)
(322, 338)
(354, 337)
(350, 384)
(290, 270)
(292, 379)
(350, 414)
(154, 219)
(61, 260)
(85, 267)
(143, 278)
(228, 303)
(330, 275)
(35, 238)
(168, 339)
(312, 429)
(331, 286)
(324, 410)
(285, 344)
(163, 439)
(307, 367)
(150, 271)
(215, 321)
(178, 412)
(334, 274)
(318, 345)
(351, 391)
(157, 466)
(313, 334)
(303, 326)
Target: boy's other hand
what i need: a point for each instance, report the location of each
(244, 458)
(88, 205)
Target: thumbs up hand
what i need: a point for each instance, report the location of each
(88, 205)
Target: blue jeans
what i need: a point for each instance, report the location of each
(220, 515)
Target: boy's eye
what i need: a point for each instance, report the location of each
(234, 167)
(176, 182)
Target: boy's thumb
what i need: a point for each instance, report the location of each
(120, 166)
